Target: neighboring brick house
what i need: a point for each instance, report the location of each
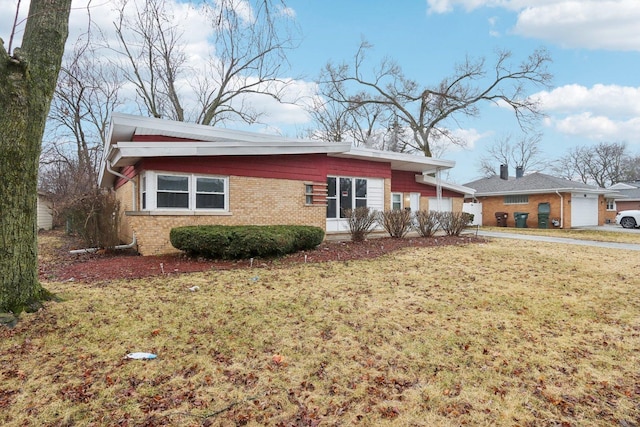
(168, 174)
(622, 196)
(570, 204)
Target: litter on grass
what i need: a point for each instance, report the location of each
(141, 356)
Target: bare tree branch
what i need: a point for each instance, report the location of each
(425, 110)
(248, 58)
(524, 152)
(602, 164)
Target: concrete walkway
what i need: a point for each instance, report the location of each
(608, 245)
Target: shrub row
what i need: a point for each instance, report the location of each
(241, 242)
(399, 222)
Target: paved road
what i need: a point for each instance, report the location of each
(609, 245)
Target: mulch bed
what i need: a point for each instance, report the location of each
(60, 265)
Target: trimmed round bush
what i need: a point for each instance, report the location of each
(241, 242)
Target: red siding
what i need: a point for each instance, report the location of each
(299, 167)
(128, 171)
(357, 168)
(405, 182)
(306, 167)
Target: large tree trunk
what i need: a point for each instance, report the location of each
(27, 82)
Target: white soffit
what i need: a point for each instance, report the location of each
(398, 161)
(430, 180)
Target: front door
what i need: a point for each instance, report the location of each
(414, 202)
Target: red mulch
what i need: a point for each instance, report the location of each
(127, 264)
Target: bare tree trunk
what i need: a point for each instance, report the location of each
(27, 81)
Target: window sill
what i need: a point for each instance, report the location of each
(177, 213)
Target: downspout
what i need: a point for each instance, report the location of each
(438, 191)
(561, 209)
(91, 250)
(126, 178)
(133, 206)
(134, 242)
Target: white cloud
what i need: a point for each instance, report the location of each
(591, 24)
(470, 137)
(599, 128)
(602, 112)
(445, 6)
(295, 93)
(611, 25)
(287, 11)
(599, 99)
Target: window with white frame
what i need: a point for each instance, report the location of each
(345, 193)
(396, 201)
(611, 205)
(143, 192)
(168, 191)
(210, 193)
(172, 191)
(361, 193)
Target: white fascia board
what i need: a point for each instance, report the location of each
(398, 161)
(543, 191)
(127, 152)
(430, 180)
(125, 126)
(618, 196)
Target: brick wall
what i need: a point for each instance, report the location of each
(124, 194)
(252, 201)
(491, 205)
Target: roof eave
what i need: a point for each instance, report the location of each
(426, 179)
(398, 161)
(540, 191)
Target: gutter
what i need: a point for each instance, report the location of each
(542, 191)
(92, 250)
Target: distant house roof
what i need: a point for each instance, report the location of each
(628, 191)
(535, 183)
(131, 138)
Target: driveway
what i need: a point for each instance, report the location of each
(562, 240)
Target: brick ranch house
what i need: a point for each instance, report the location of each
(570, 204)
(168, 174)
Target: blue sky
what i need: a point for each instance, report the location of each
(596, 59)
(595, 47)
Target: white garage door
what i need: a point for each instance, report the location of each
(584, 209)
(445, 204)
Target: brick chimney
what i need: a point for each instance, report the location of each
(504, 172)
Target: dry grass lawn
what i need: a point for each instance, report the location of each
(504, 333)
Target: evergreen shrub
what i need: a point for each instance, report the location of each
(245, 241)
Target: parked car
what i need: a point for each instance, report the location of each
(628, 219)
